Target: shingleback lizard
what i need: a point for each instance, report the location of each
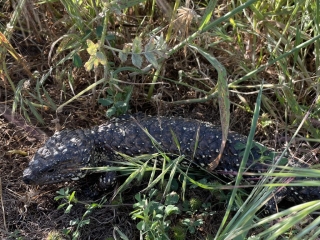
(66, 152)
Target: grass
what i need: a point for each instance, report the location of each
(257, 57)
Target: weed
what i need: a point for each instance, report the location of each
(191, 224)
(117, 100)
(154, 216)
(179, 232)
(64, 194)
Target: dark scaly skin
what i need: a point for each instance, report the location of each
(66, 152)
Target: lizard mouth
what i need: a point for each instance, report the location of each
(29, 181)
(30, 178)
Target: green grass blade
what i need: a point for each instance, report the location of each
(175, 164)
(207, 14)
(241, 168)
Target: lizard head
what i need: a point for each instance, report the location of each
(61, 158)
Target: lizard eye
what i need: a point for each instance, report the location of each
(50, 170)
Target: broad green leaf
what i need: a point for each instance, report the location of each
(99, 30)
(137, 60)
(150, 46)
(84, 222)
(111, 111)
(105, 101)
(101, 58)
(172, 198)
(74, 222)
(171, 209)
(122, 235)
(137, 45)
(68, 209)
(123, 56)
(152, 59)
(141, 226)
(77, 62)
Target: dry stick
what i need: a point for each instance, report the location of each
(4, 215)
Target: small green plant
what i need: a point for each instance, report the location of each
(154, 216)
(191, 224)
(196, 210)
(153, 51)
(64, 194)
(179, 232)
(119, 101)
